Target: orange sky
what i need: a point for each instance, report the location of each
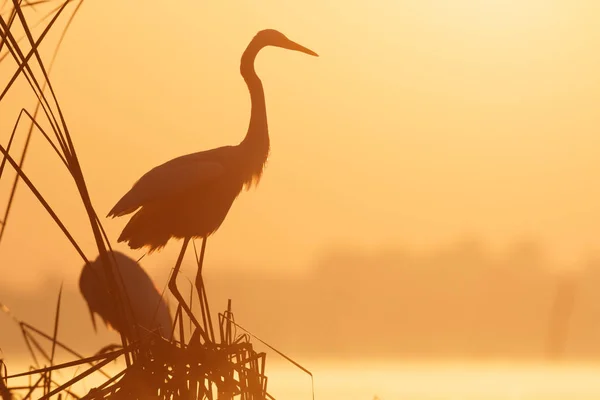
(421, 122)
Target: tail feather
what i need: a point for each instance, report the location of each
(143, 230)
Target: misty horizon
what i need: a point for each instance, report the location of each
(460, 301)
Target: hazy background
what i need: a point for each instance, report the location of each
(421, 123)
(454, 302)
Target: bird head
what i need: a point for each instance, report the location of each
(272, 37)
(94, 289)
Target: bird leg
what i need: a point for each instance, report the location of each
(175, 291)
(206, 319)
(199, 280)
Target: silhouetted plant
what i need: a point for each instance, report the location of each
(202, 367)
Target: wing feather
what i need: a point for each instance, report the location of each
(171, 178)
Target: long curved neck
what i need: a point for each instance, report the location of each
(257, 136)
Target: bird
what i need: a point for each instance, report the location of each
(189, 196)
(149, 309)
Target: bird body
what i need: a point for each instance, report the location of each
(191, 195)
(148, 307)
(188, 184)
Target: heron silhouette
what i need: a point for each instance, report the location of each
(190, 196)
(149, 310)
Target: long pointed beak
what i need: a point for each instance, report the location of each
(295, 46)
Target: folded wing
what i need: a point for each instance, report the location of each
(171, 178)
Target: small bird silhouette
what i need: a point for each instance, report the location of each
(150, 311)
(190, 196)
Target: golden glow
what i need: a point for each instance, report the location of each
(479, 16)
(420, 122)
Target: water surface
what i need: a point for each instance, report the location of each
(363, 380)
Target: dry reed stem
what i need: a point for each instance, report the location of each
(157, 369)
(63, 137)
